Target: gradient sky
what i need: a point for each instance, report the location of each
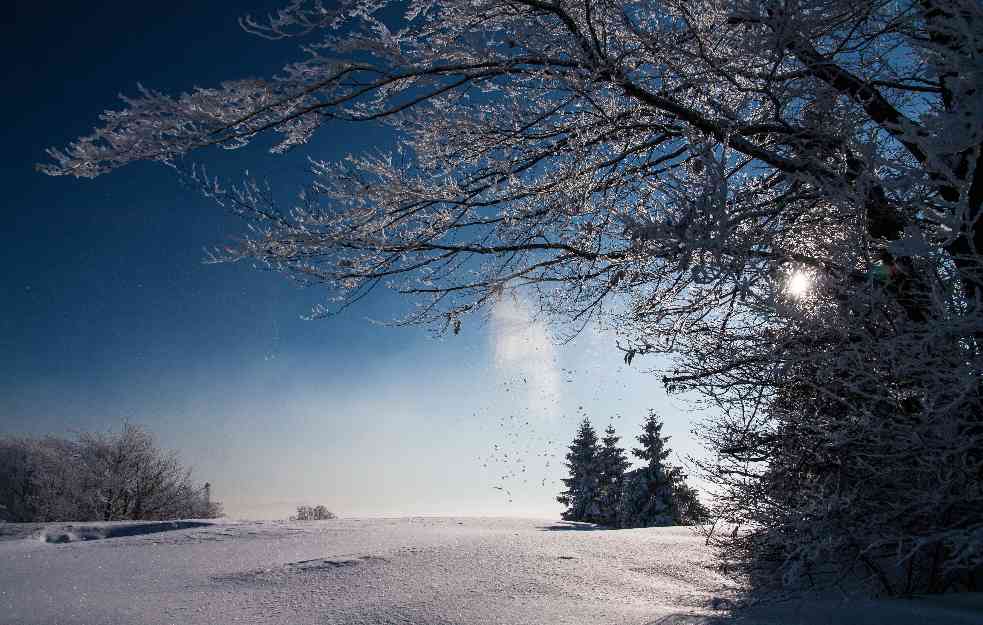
(108, 311)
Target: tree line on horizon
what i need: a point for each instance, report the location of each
(603, 489)
(117, 476)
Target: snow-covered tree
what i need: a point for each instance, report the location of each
(582, 496)
(783, 194)
(647, 498)
(16, 480)
(132, 478)
(97, 477)
(861, 466)
(45, 481)
(653, 450)
(611, 466)
(312, 513)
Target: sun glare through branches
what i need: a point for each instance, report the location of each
(799, 284)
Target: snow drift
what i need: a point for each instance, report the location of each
(96, 531)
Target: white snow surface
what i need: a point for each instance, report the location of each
(408, 571)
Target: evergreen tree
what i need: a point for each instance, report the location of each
(656, 493)
(582, 493)
(612, 464)
(686, 500)
(653, 448)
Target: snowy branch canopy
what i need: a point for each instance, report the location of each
(681, 155)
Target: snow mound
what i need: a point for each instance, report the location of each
(98, 531)
(19, 531)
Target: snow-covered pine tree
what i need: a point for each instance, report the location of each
(648, 496)
(582, 493)
(612, 464)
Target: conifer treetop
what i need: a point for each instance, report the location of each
(654, 448)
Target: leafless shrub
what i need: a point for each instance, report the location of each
(312, 513)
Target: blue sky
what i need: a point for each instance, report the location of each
(110, 313)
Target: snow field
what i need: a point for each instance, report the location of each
(410, 571)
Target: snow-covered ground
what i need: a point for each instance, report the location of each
(426, 571)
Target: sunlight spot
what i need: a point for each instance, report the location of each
(799, 284)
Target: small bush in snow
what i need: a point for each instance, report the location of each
(312, 513)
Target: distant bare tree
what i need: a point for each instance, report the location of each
(16, 480)
(132, 479)
(59, 484)
(97, 477)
